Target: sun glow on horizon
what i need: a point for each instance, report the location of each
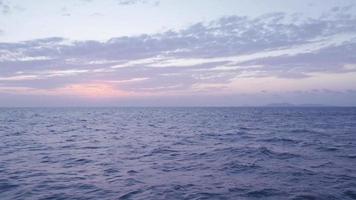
(93, 90)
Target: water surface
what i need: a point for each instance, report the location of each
(177, 153)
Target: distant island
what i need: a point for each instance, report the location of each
(294, 105)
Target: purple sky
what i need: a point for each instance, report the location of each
(148, 53)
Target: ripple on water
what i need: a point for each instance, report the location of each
(177, 153)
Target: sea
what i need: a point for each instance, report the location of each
(178, 153)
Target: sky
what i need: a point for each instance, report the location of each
(177, 52)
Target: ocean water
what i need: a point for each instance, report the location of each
(177, 153)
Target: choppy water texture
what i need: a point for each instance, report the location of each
(178, 153)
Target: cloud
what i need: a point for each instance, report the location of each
(96, 14)
(205, 56)
(132, 2)
(4, 7)
(65, 12)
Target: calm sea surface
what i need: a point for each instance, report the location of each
(177, 153)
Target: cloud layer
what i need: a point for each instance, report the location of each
(204, 57)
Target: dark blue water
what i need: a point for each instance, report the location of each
(178, 153)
